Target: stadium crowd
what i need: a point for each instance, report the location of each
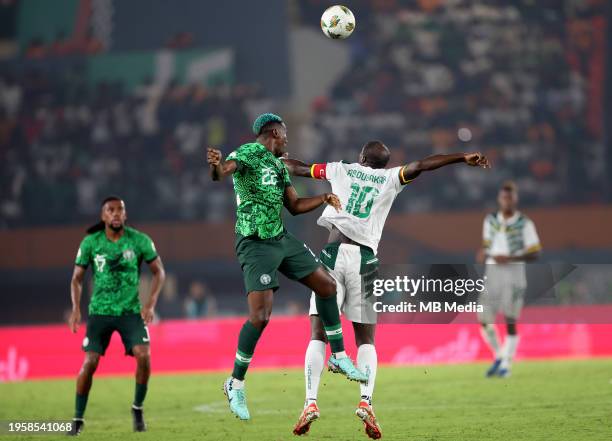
(65, 144)
(521, 81)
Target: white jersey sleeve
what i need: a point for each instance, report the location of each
(487, 233)
(395, 179)
(531, 240)
(331, 170)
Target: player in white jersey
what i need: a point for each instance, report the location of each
(366, 190)
(509, 240)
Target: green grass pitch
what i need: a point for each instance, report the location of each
(552, 401)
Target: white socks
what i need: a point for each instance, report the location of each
(489, 335)
(509, 350)
(367, 362)
(313, 367)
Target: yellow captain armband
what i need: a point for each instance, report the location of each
(403, 180)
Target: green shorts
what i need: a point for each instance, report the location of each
(100, 328)
(262, 259)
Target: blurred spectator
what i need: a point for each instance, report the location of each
(61, 46)
(200, 302)
(36, 49)
(169, 305)
(180, 40)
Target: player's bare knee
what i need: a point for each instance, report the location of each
(143, 358)
(328, 288)
(91, 363)
(259, 319)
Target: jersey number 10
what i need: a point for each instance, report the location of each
(361, 200)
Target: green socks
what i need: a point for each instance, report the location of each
(80, 405)
(81, 400)
(139, 394)
(247, 340)
(327, 307)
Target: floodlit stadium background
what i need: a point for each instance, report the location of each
(103, 97)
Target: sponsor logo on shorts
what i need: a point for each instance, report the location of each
(265, 279)
(85, 342)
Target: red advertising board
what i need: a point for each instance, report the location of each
(179, 346)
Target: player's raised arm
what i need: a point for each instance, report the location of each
(296, 205)
(298, 168)
(159, 276)
(218, 167)
(413, 169)
(76, 288)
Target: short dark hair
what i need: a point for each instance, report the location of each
(268, 127)
(100, 226)
(109, 199)
(376, 154)
(509, 186)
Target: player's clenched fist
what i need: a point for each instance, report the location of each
(333, 200)
(214, 156)
(477, 159)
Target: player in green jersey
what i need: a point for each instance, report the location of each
(115, 252)
(263, 246)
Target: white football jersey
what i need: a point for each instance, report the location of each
(515, 236)
(366, 195)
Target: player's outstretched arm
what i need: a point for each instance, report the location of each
(298, 168)
(159, 275)
(218, 167)
(76, 288)
(296, 205)
(413, 169)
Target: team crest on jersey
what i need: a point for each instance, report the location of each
(100, 262)
(265, 279)
(128, 254)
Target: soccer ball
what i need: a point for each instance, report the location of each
(337, 22)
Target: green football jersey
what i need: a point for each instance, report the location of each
(116, 270)
(259, 184)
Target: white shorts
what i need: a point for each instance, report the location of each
(353, 267)
(504, 292)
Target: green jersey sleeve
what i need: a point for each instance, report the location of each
(286, 177)
(83, 257)
(147, 249)
(240, 157)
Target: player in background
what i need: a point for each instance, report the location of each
(115, 252)
(367, 190)
(264, 247)
(509, 240)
